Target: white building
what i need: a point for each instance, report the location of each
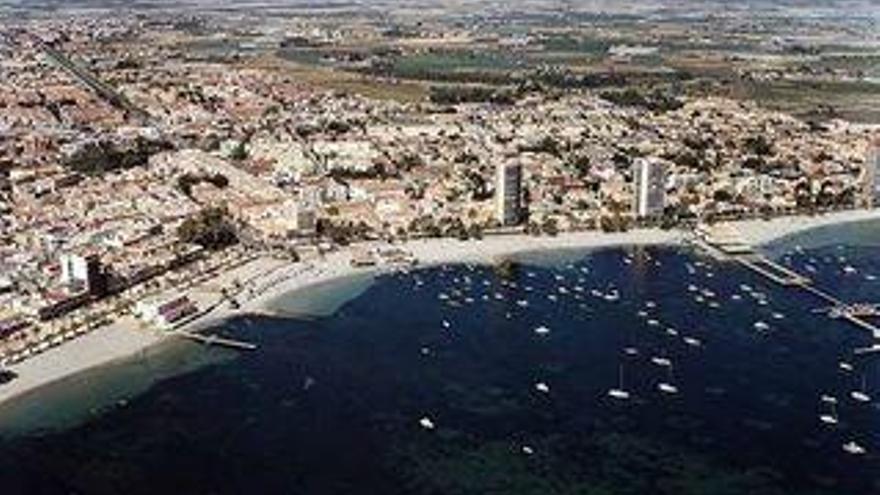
(649, 187)
(84, 271)
(508, 193)
(166, 312)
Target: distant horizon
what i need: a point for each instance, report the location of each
(833, 9)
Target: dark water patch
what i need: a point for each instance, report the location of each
(336, 403)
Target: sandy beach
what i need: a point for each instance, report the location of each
(266, 279)
(757, 232)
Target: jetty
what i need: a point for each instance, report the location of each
(772, 270)
(217, 340)
(723, 242)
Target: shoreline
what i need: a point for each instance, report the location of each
(268, 279)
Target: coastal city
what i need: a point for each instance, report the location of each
(96, 192)
(162, 171)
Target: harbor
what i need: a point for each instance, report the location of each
(723, 242)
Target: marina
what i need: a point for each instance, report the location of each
(724, 243)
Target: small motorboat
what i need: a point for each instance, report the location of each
(667, 388)
(661, 361)
(619, 393)
(853, 448)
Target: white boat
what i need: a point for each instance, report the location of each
(778, 316)
(426, 423)
(642, 313)
(844, 366)
(653, 322)
(552, 297)
(849, 269)
(692, 288)
(612, 295)
(853, 448)
(542, 387)
(692, 341)
(736, 297)
(831, 417)
(650, 304)
(860, 395)
(619, 393)
(661, 361)
(667, 388)
(522, 303)
(761, 326)
(828, 419)
(542, 330)
(527, 450)
(672, 332)
(631, 351)
(446, 324)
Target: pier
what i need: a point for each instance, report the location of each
(782, 275)
(217, 340)
(725, 244)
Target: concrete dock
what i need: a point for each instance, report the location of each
(219, 341)
(730, 248)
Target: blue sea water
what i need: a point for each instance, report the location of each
(338, 402)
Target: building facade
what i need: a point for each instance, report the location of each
(872, 170)
(83, 271)
(649, 188)
(508, 194)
